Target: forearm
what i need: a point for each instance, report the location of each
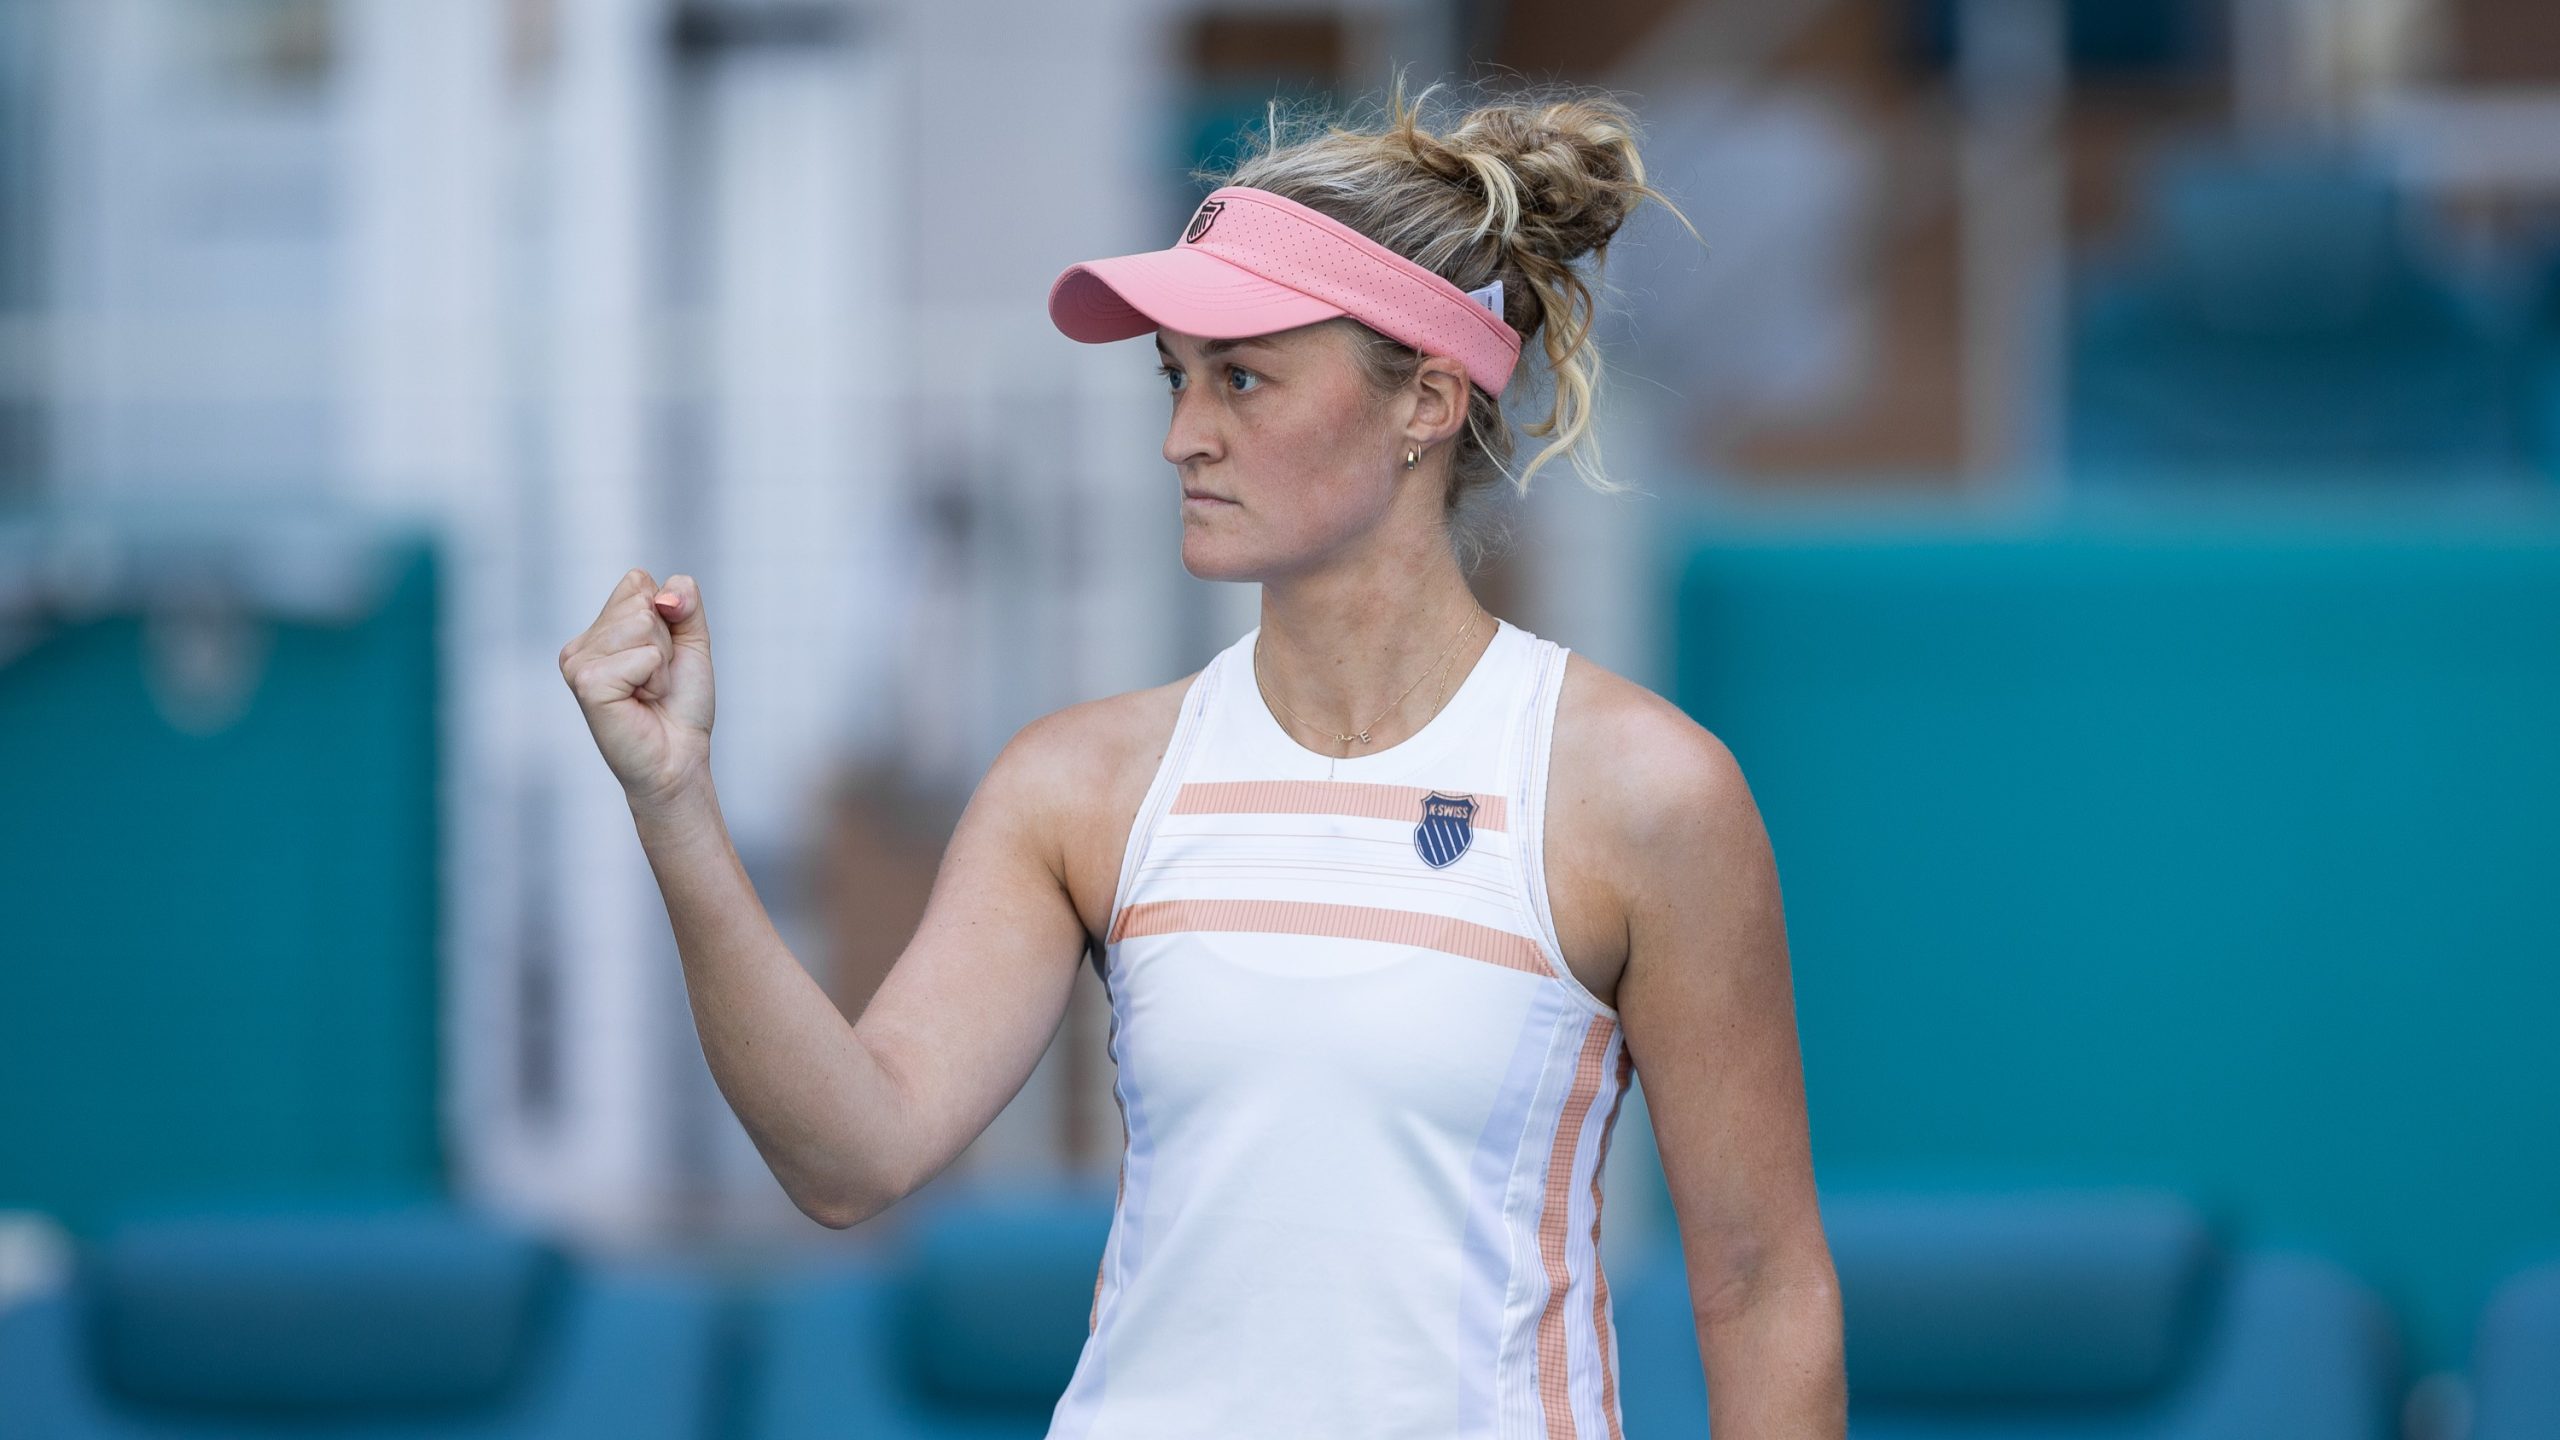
(810, 1094)
(1776, 1367)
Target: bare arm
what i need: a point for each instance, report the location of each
(1710, 1021)
(974, 1000)
(851, 1118)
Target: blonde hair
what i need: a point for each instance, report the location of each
(1517, 189)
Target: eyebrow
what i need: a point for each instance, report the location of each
(1218, 347)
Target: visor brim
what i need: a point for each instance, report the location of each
(1183, 289)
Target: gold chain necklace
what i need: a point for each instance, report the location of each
(1362, 735)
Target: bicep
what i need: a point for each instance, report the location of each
(974, 1000)
(1709, 1010)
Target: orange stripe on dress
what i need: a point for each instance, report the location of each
(1444, 933)
(1554, 1374)
(1324, 797)
(1600, 1276)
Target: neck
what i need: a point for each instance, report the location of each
(1339, 647)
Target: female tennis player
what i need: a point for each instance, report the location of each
(1392, 898)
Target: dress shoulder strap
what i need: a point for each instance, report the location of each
(1535, 741)
(1197, 700)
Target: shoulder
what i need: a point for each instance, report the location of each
(1076, 777)
(1073, 779)
(1644, 785)
(1078, 751)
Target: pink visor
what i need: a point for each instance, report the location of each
(1252, 262)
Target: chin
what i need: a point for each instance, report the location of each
(1218, 557)
(1214, 567)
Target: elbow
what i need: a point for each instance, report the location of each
(843, 1208)
(818, 1204)
(851, 1178)
(836, 1216)
(833, 1217)
(836, 1211)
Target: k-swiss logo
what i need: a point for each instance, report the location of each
(1206, 216)
(1447, 828)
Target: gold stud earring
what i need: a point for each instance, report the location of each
(1412, 458)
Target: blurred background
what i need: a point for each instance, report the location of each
(2101, 476)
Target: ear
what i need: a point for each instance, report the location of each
(1440, 396)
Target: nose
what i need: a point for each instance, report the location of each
(1191, 436)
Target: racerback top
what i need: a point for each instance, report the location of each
(1365, 1103)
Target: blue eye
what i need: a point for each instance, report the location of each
(1174, 373)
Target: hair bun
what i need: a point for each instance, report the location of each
(1574, 174)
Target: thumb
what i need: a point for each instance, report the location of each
(679, 603)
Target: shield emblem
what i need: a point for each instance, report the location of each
(1448, 826)
(1203, 218)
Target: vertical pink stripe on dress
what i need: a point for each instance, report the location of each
(1554, 1365)
(1599, 1275)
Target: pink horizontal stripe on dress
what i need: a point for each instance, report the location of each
(1342, 922)
(1324, 797)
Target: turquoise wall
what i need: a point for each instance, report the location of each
(2222, 856)
(217, 963)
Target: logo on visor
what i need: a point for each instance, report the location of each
(1201, 221)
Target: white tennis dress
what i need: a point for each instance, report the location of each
(1366, 1105)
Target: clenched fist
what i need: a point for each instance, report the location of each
(642, 674)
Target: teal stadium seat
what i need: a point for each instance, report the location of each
(2268, 318)
(970, 1333)
(421, 1322)
(2515, 1357)
(2054, 1315)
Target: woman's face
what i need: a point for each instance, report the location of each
(1300, 458)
